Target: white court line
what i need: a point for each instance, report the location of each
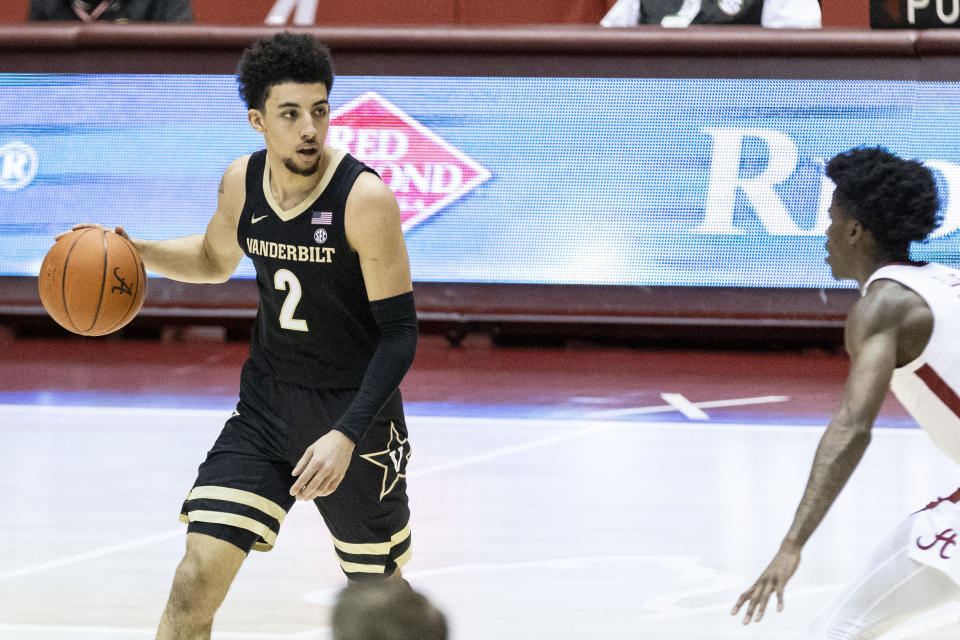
(53, 564)
(663, 607)
(739, 402)
(687, 567)
(204, 413)
(684, 406)
(687, 612)
(138, 632)
(593, 418)
(34, 409)
(581, 428)
(905, 631)
(586, 427)
(593, 427)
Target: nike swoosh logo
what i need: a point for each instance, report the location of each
(256, 220)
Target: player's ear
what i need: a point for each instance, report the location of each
(857, 231)
(255, 116)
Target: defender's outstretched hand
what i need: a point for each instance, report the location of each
(773, 579)
(92, 225)
(322, 466)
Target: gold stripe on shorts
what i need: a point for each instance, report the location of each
(239, 496)
(355, 567)
(234, 520)
(404, 557)
(373, 548)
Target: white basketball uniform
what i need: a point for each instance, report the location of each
(917, 568)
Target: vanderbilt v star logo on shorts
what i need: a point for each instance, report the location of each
(393, 461)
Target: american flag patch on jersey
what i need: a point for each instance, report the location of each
(322, 217)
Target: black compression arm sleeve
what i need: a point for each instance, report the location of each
(397, 319)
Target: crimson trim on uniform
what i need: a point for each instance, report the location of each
(954, 498)
(940, 388)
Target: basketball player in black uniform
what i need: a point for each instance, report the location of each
(320, 415)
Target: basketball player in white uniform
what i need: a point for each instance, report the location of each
(904, 334)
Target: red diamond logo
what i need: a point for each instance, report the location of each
(423, 170)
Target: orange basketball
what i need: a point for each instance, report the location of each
(92, 282)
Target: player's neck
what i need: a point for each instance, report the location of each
(868, 268)
(290, 188)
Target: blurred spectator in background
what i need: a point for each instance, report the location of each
(386, 610)
(802, 14)
(112, 10)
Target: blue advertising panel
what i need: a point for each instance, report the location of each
(647, 182)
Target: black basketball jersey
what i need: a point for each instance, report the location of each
(314, 327)
(711, 11)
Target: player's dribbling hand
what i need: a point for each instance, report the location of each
(773, 579)
(322, 466)
(92, 225)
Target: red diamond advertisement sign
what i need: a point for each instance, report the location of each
(425, 172)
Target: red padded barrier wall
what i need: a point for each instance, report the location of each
(341, 12)
(836, 13)
(531, 11)
(331, 12)
(13, 11)
(843, 13)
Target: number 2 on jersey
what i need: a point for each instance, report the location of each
(284, 280)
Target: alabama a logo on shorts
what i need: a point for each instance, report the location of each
(425, 172)
(945, 540)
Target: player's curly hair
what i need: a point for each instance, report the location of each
(381, 609)
(894, 199)
(284, 57)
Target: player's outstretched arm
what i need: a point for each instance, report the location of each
(374, 232)
(208, 257)
(871, 340)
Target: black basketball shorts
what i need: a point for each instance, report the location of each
(242, 491)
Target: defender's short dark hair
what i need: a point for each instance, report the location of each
(894, 199)
(284, 57)
(386, 610)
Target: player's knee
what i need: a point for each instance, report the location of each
(190, 598)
